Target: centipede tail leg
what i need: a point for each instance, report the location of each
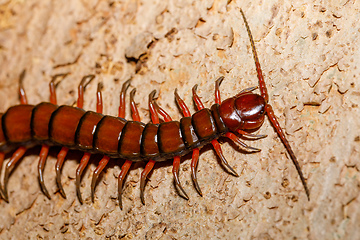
(86, 157)
(196, 151)
(136, 117)
(17, 155)
(215, 143)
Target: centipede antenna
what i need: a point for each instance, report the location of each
(262, 84)
(281, 134)
(270, 111)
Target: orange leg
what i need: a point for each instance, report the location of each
(58, 166)
(64, 150)
(195, 153)
(10, 166)
(21, 150)
(124, 170)
(103, 162)
(42, 160)
(175, 171)
(235, 138)
(83, 163)
(215, 142)
(86, 157)
(149, 166)
(176, 162)
(45, 148)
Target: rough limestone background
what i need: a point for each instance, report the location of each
(309, 52)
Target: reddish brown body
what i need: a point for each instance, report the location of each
(47, 124)
(118, 138)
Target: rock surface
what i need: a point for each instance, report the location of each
(309, 53)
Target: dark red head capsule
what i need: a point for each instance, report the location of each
(246, 111)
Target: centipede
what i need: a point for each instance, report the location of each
(47, 124)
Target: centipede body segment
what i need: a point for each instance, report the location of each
(48, 124)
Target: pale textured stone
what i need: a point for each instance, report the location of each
(309, 56)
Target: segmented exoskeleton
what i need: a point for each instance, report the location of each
(25, 125)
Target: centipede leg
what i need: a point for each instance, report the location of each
(224, 162)
(21, 150)
(83, 163)
(215, 143)
(237, 140)
(86, 157)
(42, 159)
(124, 170)
(45, 148)
(149, 166)
(102, 164)
(175, 170)
(257, 136)
(176, 162)
(193, 167)
(136, 117)
(17, 155)
(195, 153)
(58, 166)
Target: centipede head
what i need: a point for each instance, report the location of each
(245, 111)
